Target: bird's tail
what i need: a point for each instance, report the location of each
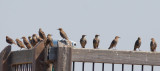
(109, 48)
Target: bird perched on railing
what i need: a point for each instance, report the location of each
(96, 42)
(26, 42)
(83, 41)
(30, 40)
(39, 38)
(63, 34)
(153, 45)
(49, 40)
(42, 34)
(114, 42)
(20, 44)
(137, 44)
(34, 39)
(9, 40)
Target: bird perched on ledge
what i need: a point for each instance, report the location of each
(63, 34)
(153, 45)
(114, 42)
(96, 42)
(20, 44)
(49, 40)
(26, 42)
(30, 40)
(9, 40)
(137, 44)
(34, 39)
(42, 34)
(83, 41)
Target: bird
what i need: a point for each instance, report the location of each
(30, 40)
(10, 41)
(137, 44)
(49, 40)
(39, 38)
(153, 45)
(83, 41)
(63, 34)
(42, 34)
(96, 42)
(20, 44)
(114, 42)
(26, 42)
(34, 39)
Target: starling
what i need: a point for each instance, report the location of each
(63, 34)
(26, 42)
(34, 39)
(153, 45)
(30, 40)
(83, 41)
(49, 40)
(20, 44)
(96, 42)
(114, 42)
(39, 38)
(42, 34)
(9, 40)
(137, 44)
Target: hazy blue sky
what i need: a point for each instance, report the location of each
(128, 19)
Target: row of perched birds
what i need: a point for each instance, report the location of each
(113, 44)
(32, 41)
(49, 41)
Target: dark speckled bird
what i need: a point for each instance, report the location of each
(26, 42)
(153, 45)
(114, 42)
(42, 34)
(96, 42)
(30, 40)
(63, 34)
(34, 39)
(83, 41)
(20, 44)
(9, 40)
(49, 40)
(137, 44)
(39, 38)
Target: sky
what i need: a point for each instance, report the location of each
(128, 19)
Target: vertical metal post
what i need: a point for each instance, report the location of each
(83, 66)
(73, 65)
(152, 68)
(142, 67)
(93, 67)
(122, 67)
(102, 66)
(112, 67)
(132, 67)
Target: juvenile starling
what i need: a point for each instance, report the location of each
(49, 40)
(96, 42)
(137, 44)
(26, 42)
(114, 42)
(20, 44)
(34, 39)
(153, 45)
(63, 34)
(30, 40)
(83, 41)
(42, 34)
(9, 40)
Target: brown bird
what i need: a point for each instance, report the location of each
(114, 42)
(34, 39)
(49, 40)
(30, 40)
(153, 45)
(96, 42)
(42, 34)
(39, 38)
(26, 42)
(83, 41)
(20, 44)
(63, 34)
(137, 44)
(9, 40)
